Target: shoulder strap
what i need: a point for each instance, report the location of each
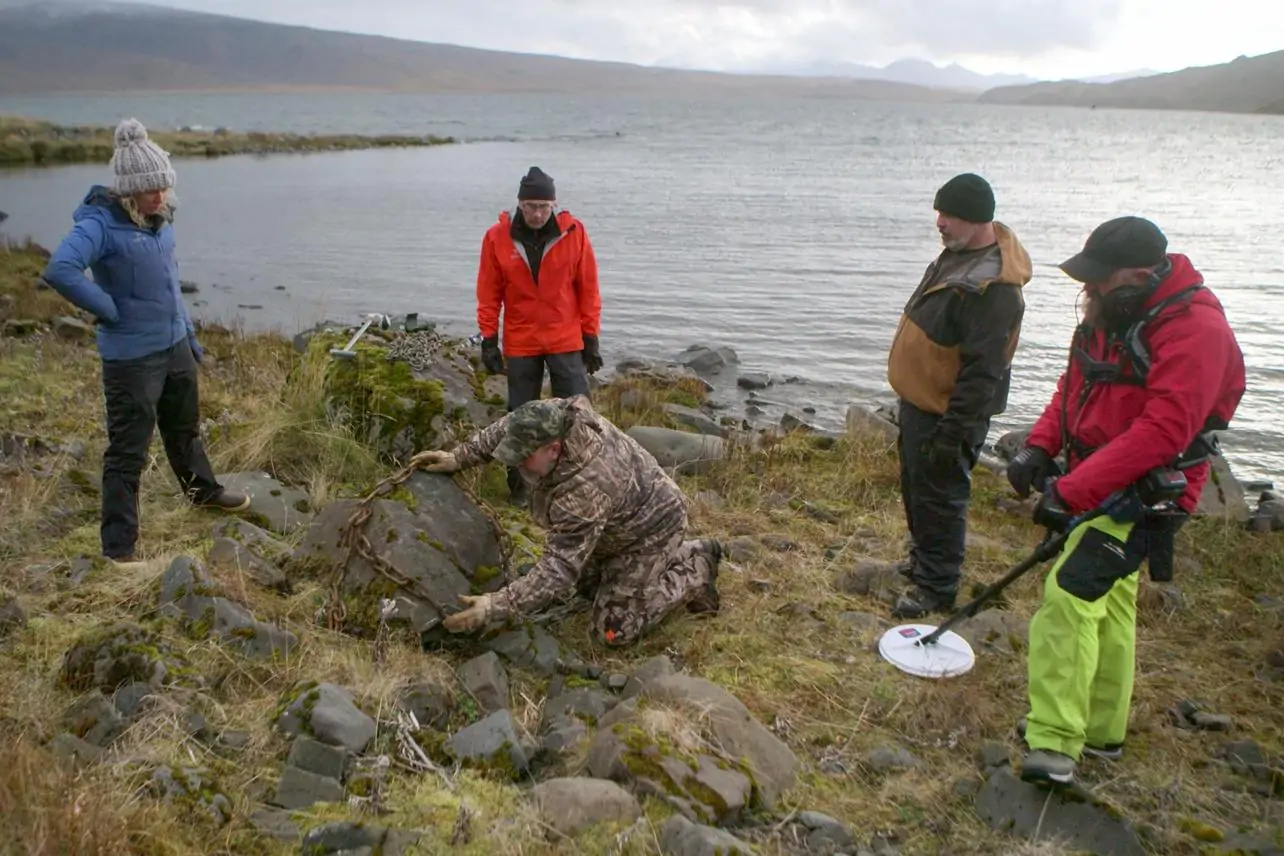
(1134, 340)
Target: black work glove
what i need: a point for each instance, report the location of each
(492, 359)
(941, 450)
(592, 356)
(1050, 512)
(1030, 469)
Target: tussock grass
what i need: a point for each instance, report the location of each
(779, 644)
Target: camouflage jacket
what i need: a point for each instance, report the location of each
(606, 497)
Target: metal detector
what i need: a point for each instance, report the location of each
(938, 652)
(346, 352)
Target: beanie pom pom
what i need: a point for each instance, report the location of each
(130, 131)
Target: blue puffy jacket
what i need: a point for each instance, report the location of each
(135, 291)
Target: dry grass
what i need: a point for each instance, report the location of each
(803, 672)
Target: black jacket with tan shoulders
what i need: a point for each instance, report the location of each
(952, 353)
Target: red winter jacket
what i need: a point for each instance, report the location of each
(1196, 374)
(553, 317)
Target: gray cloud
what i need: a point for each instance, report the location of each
(708, 34)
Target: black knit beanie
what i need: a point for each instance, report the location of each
(537, 184)
(967, 197)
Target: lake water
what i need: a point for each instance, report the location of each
(791, 230)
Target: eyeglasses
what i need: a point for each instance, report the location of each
(537, 207)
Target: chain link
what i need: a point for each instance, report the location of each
(352, 539)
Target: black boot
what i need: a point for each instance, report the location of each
(920, 601)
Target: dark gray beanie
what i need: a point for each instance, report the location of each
(967, 197)
(537, 185)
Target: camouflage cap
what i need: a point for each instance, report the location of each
(534, 424)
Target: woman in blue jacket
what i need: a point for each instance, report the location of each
(145, 336)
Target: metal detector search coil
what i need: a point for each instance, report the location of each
(947, 656)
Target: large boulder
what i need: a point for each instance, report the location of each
(865, 421)
(682, 451)
(1223, 495)
(404, 392)
(735, 765)
(429, 531)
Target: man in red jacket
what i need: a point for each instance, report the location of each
(1154, 370)
(538, 268)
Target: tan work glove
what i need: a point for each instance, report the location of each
(476, 615)
(435, 462)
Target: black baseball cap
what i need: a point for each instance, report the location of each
(1124, 242)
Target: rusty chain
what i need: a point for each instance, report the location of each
(352, 538)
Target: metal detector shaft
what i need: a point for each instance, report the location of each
(1048, 547)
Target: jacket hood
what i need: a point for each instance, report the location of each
(1016, 268)
(99, 202)
(1182, 275)
(102, 202)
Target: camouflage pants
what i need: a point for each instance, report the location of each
(635, 591)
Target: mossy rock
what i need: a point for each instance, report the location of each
(113, 655)
(398, 409)
(381, 400)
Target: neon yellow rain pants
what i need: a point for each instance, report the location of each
(1083, 640)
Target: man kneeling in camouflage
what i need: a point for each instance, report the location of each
(615, 522)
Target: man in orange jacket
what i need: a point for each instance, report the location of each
(538, 268)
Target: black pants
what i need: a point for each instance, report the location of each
(566, 374)
(158, 390)
(936, 499)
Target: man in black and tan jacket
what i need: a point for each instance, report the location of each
(951, 366)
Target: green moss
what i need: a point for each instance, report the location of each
(433, 743)
(484, 576)
(361, 786)
(1199, 830)
(294, 694)
(404, 495)
(379, 400)
(682, 397)
(134, 653)
(363, 607)
(202, 627)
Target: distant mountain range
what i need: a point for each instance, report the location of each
(73, 46)
(1245, 85)
(923, 73)
(60, 46)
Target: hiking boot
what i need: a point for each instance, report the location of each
(1108, 752)
(225, 501)
(920, 601)
(1043, 766)
(708, 601)
(127, 562)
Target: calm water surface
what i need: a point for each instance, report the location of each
(791, 230)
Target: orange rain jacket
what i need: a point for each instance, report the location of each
(549, 318)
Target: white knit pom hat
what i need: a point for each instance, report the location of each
(141, 166)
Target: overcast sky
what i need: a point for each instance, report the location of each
(1042, 38)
